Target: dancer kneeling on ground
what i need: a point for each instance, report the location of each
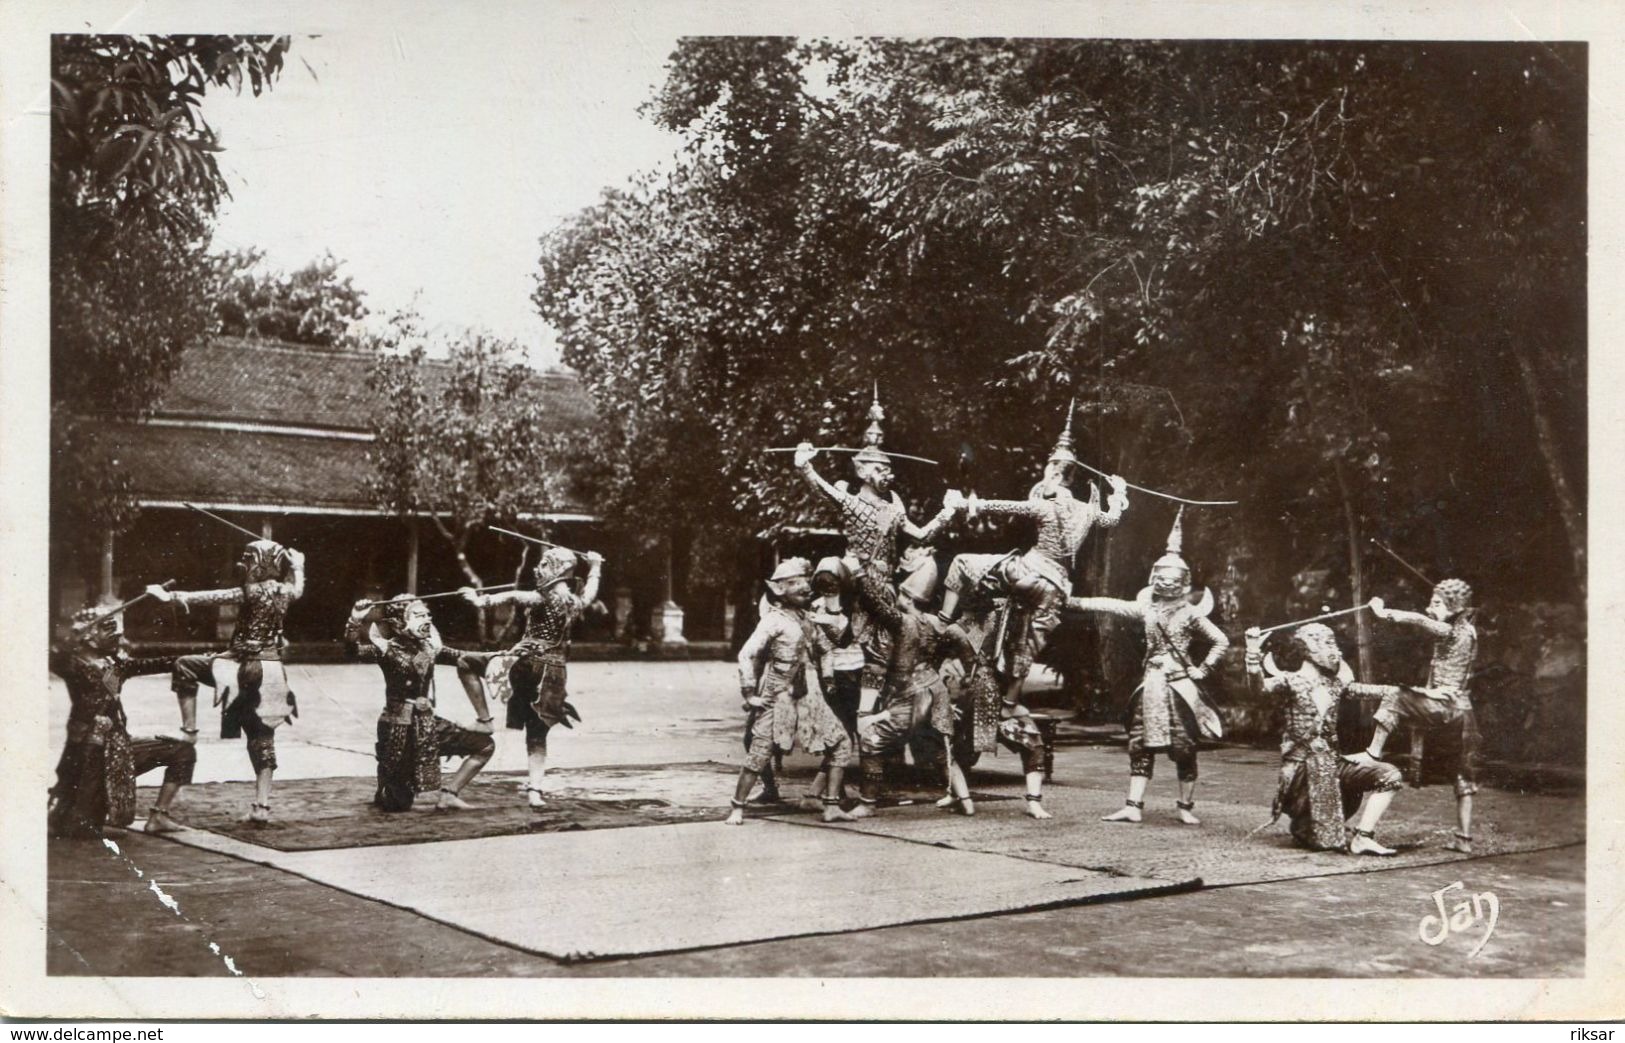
(539, 699)
(1319, 790)
(95, 778)
(779, 711)
(411, 738)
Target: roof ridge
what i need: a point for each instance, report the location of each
(232, 341)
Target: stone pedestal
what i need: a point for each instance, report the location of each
(666, 624)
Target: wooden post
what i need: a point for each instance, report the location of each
(667, 587)
(412, 555)
(107, 590)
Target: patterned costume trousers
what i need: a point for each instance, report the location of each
(83, 780)
(1452, 723)
(239, 718)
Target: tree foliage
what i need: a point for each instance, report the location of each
(1341, 282)
(134, 186)
(463, 441)
(314, 305)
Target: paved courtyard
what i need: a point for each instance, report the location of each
(668, 732)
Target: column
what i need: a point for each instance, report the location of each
(666, 626)
(107, 591)
(412, 555)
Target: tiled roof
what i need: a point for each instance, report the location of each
(251, 468)
(213, 466)
(270, 385)
(268, 382)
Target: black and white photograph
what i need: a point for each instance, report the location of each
(588, 503)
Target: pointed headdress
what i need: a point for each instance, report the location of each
(871, 452)
(1171, 557)
(1063, 445)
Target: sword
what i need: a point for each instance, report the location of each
(1312, 619)
(113, 610)
(532, 539)
(844, 449)
(1165, 496)
(404, 598)
(251, 534)
(1392, 554)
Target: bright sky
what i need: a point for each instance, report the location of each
(430, 155)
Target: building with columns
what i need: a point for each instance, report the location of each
(275, 438)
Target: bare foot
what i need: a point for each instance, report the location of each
(947, 803)
(1363, 845)
(833, 813)
(533, 797)
(258, 815)
(450, 801)
(736, 817)
(967, 807)
(1123, 814)
(1188, 817)
(1461, 844)
(161, 822)
(767, 796)
(861, 811)
(1035, 809)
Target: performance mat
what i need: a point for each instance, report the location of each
(330, 813)
(628, 892)
(1220, 852)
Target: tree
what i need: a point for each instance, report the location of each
(313, 305)
(134, 185)
(463, 442)
(1340, 282)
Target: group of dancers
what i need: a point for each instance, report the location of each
(895, 666)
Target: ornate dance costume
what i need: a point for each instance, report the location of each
(1038, 581)
(773, 666)
(97, 772)
(273, 578)
(914, 693)
(875, 520)
(1165, 711)
(412, 739)
(537, 678)
(1319, 789)
(1445, 702)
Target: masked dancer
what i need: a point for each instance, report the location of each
(1167, 713)
(412, 740)
(539, 700)
(781, 714)
(249, 679)
(1319, 790)
(96, 775)
(1037, 582)
(1445, 702)
(874, 518)
(914, 697)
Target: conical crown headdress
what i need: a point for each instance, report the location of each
(1176, 544)
(871, 452)
(1063, 445)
